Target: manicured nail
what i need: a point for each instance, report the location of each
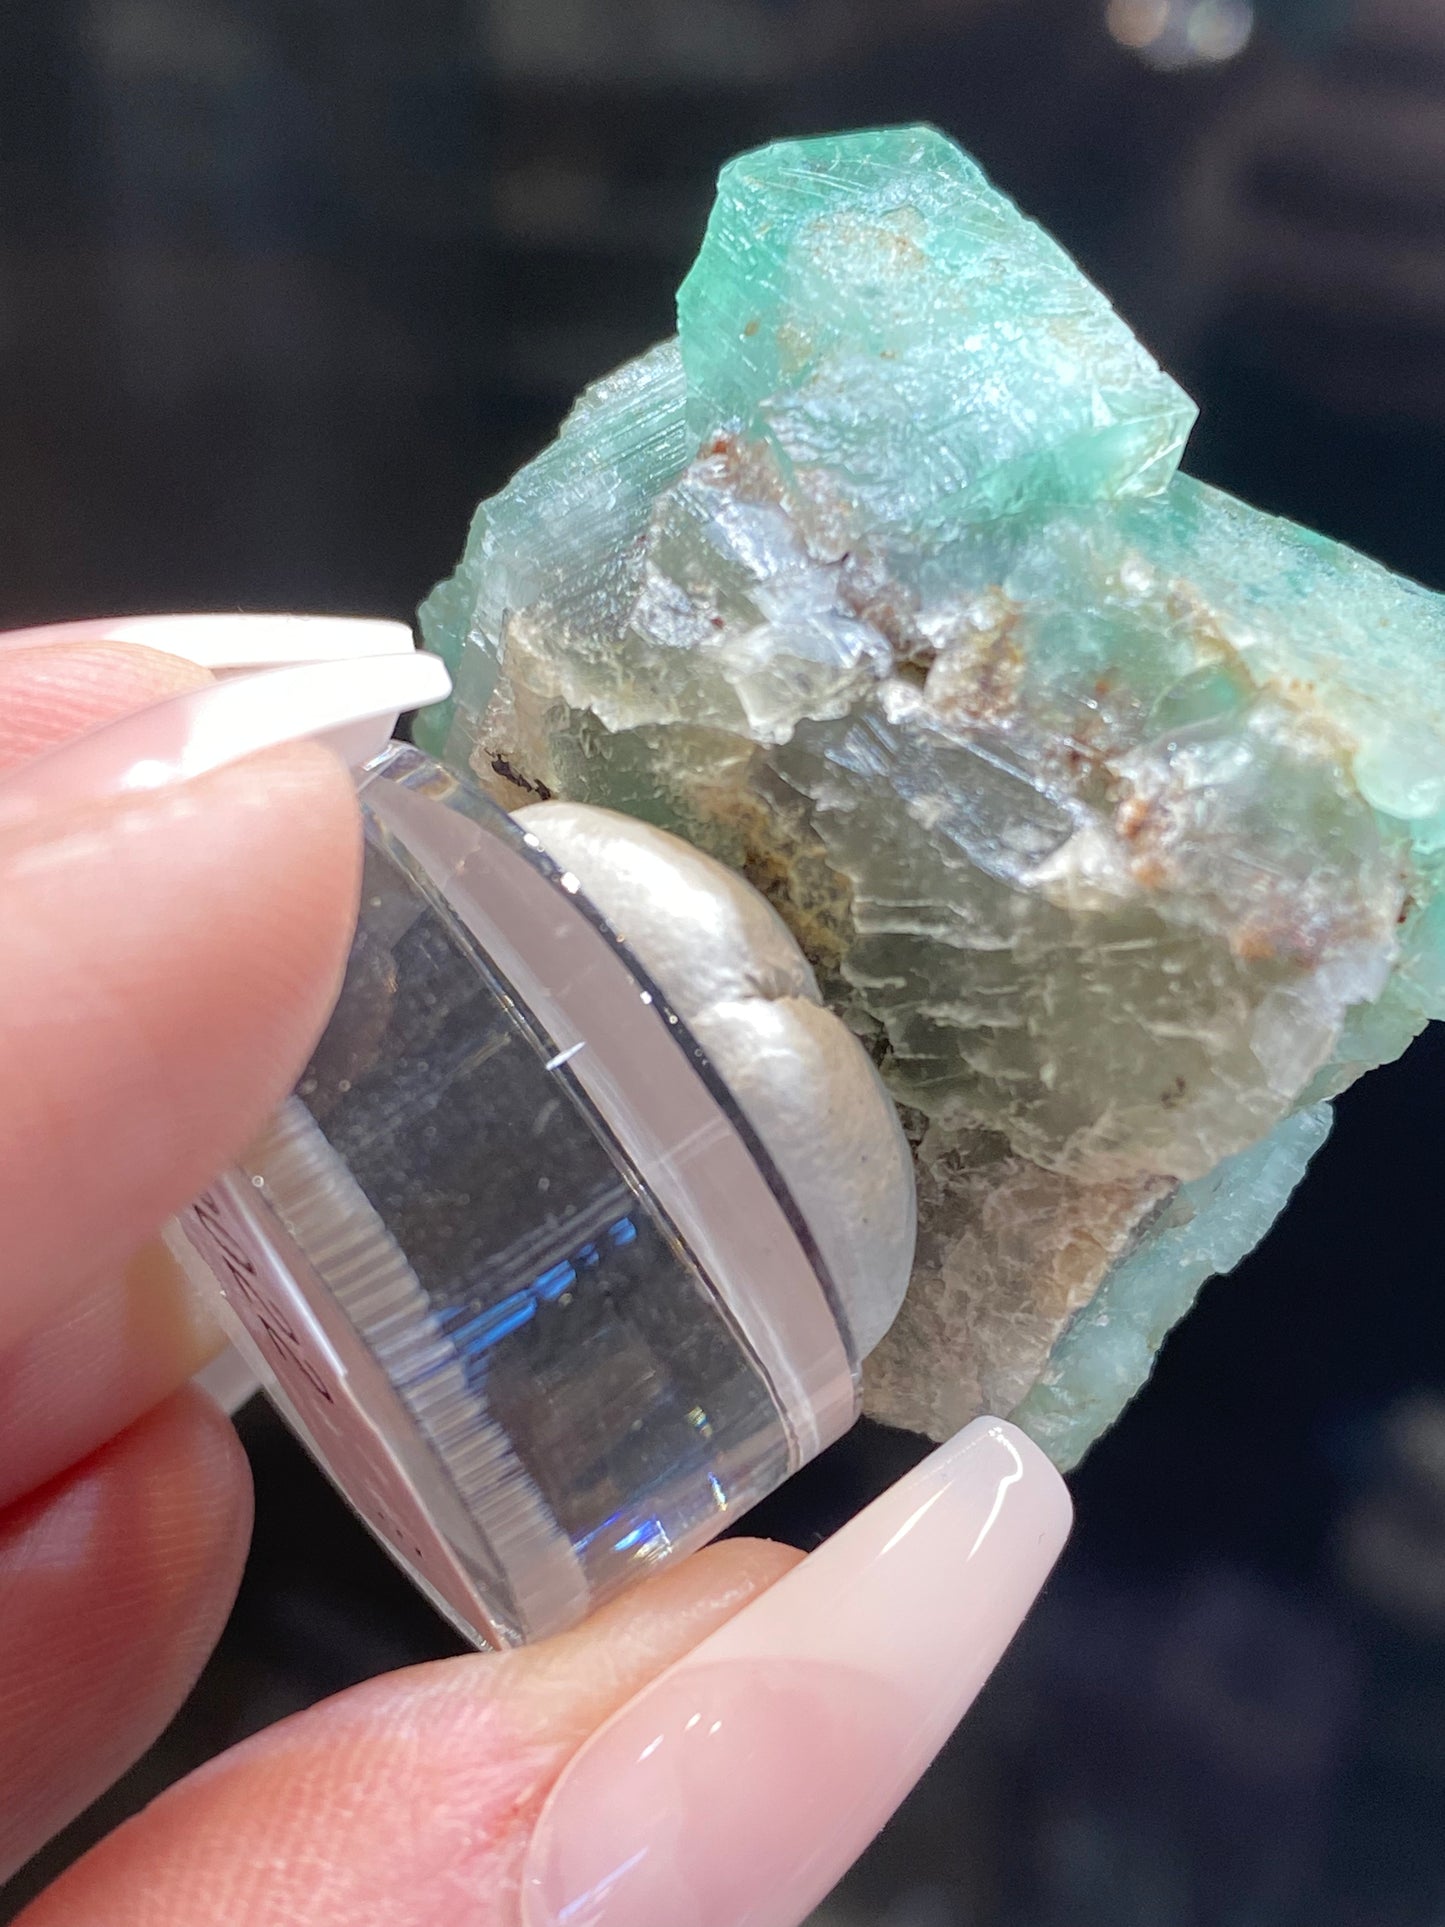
(226, 642)
(229, 1380)
(206, 729)
(739, 1787)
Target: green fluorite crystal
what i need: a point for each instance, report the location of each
(1110, 811)
(826, 301)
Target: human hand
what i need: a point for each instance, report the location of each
(711, 1751)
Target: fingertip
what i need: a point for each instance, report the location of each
(213, 1506)
(410, 1799)
(297, 853)
(117, 1581)
(49, 694)
(120, 1348)
(170, 961)
(743, 1781)
(297, 866)
(645, 1629)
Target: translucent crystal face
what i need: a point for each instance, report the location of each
(1109, 810)
(880, 275)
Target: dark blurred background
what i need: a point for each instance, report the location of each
(286, 285)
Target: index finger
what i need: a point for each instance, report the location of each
(166, 962)
(49, 692)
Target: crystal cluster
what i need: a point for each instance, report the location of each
(1110, 812)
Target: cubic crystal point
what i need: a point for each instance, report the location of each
(912, 350)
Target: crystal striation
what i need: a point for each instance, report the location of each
(1110, 811)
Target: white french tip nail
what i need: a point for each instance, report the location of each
(225, 643)
(339, 703)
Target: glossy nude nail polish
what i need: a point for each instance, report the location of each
(735, 1790)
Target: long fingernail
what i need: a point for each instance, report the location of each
(206, 729)
(743, 1782)
(227, 642)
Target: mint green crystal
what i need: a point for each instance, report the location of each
(1110, 811)
(1208, 1226)
(879, 276)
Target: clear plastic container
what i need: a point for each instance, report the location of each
(513, 1262)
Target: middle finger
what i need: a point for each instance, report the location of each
(115, 1351)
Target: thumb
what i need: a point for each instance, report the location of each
(712, 1750)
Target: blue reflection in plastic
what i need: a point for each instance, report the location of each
(473, 1335)
(553, 1283)
(646, 1537)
